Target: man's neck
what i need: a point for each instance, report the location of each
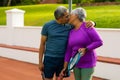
(58, 22)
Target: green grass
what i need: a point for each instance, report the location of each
(105, 16)
(37, 15)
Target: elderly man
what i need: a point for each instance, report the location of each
(54, 38)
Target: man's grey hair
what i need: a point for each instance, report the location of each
(80, 12)
(59, 12)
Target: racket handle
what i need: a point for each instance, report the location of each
(66, 73)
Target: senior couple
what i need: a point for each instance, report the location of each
(62, 38)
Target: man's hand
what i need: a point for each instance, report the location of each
(90, 24)
(41, 67)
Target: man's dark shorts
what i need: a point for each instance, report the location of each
(52, 65)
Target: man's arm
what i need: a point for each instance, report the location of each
(41, 51)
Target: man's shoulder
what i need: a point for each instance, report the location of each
(49, 23)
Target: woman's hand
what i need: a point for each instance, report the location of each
(82, 51)
(62, 73)
(64, 70)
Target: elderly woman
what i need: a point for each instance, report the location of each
(84, 40)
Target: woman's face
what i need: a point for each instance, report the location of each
(72, 18)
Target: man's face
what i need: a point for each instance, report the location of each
(65, 18)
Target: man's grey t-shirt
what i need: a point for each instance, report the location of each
(57, 36)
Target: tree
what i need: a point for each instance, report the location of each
(9, 2)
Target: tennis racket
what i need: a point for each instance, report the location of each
(73, 61)
(43, 76)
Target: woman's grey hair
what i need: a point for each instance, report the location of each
(59, 12)
(80, 12)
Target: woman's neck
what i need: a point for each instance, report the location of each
(77, 24)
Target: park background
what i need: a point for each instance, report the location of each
(104, 12)
(20, 36)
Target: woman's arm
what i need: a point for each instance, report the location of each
(68, 52)
(95, 38)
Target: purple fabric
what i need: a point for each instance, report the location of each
(82, 38)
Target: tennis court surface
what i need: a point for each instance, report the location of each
(17, 70)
